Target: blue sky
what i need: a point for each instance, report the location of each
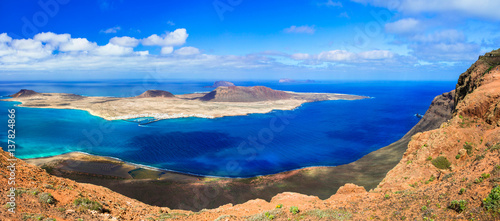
(241, 39)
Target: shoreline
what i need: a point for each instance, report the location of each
(143, 183)
(178, 106)
(38, 161)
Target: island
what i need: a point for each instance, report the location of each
(222, 101)
(221, 83)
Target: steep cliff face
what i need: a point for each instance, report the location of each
(244, 94)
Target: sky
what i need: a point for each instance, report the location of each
(245, 40)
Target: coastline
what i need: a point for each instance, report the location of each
(180, 106)
(141, 182)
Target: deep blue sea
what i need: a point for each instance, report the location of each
(327, 133)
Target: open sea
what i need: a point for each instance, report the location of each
(326, 133)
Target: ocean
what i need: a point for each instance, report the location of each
(327, 133)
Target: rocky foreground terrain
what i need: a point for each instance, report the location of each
(448, 173)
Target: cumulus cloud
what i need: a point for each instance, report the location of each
(77, 44)
(460, 8)
(111, 30)
(404, 26)
(53, 52)
(175, 38)
(5, 38)
(167, 50)
(124, 41)
(300, 29)
(187, 51)
(52, 38)
(112, 49)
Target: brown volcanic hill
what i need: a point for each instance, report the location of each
(221, 84)
(24, 93)
(156, 93)
(245, 94)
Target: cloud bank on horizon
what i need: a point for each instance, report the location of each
(396, 39)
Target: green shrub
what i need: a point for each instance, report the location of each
(269, 215)
(462, 191)
(432, 178)
(387, 196)
(46, 198)
(429, 158)
(492, 202)
(441, 162)
(458, 205)
(85, 203)
(485, 175)
(457, 156)
(424, 208)
(294, 210)
(279, 206)
(469, 148)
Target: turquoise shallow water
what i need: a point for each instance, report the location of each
(325, 133)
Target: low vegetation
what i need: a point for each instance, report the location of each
(458, 205)
(46, 198)
(86, 204)
(492, 202)
(441, 162)
(294, 210)
(468, 147)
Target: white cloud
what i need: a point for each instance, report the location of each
(300, 29)
(336, 55)
(345, 56)
(124, 41)
(52, 38)
(459, 8)
(175, 38)
(5, 38)
(78, 44)
(300, 56)
(171, 23)
(167, 50)
(111, 30)
(26, 44)
(112, 50)
(187, 51)
(403, 26)
(375, 55)
(458, 51)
